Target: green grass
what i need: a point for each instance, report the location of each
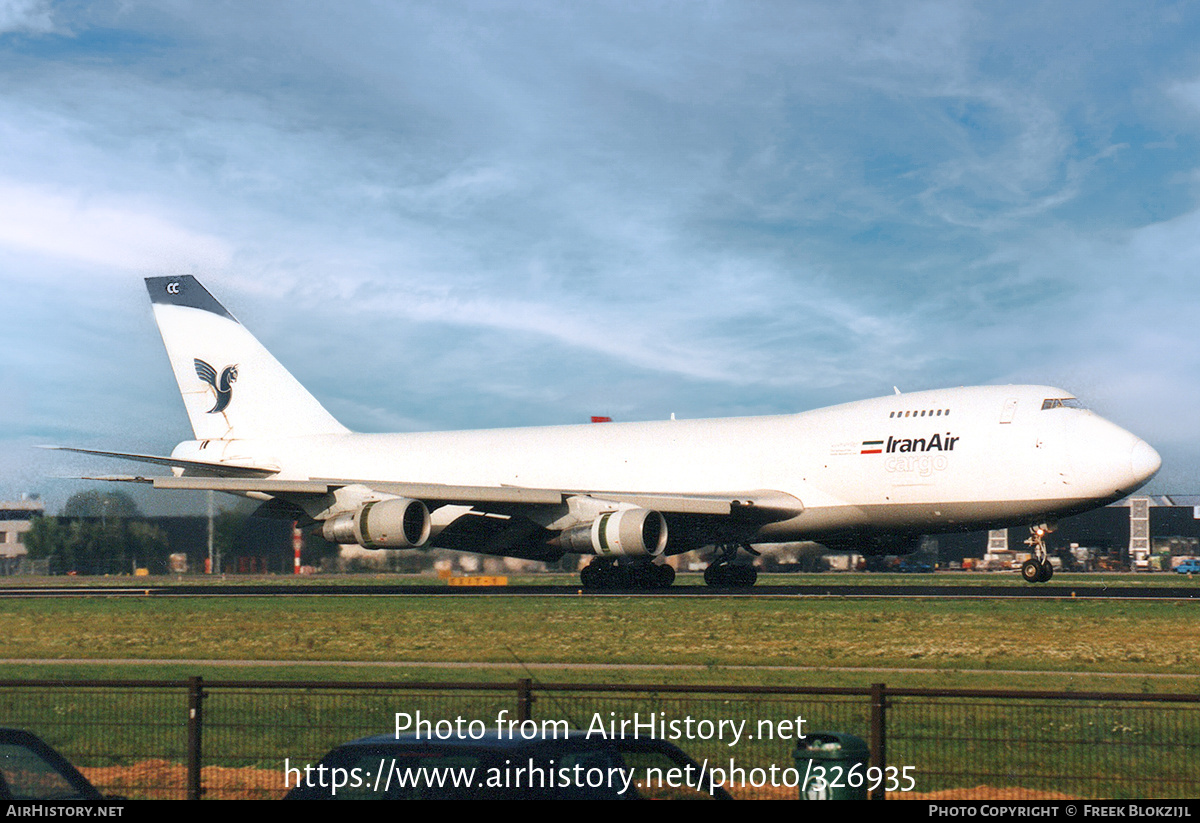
(933, 635)
(951, 743)
(1071, 645)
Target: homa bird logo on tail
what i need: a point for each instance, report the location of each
(223, 388)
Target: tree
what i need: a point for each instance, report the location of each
(46, 536)
(100, 504)
(97, 547)
(236, 534)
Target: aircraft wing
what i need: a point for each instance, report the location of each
(514, 521)
(763, 505)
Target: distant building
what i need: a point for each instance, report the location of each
(259, 545)
(16, 518)
(1141, 532)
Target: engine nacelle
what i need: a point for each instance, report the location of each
(395, 523)
(624, 532)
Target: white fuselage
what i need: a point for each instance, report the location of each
(929, 461)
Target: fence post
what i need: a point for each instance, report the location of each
(195, 727)
(879, 736)
(524, 699)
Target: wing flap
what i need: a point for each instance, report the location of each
(764, 505)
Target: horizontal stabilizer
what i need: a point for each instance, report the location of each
(114, 478)
(211, 469)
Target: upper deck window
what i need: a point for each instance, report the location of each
(1061, 403)
(921, 413)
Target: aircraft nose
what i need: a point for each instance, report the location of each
(1107, 459)
(1144, 461)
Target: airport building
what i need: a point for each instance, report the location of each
(1142, 533)
(16, 518)
(256, 546)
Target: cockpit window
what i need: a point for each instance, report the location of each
(1061, 403)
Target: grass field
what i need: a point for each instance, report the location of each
(1139, 646)
(1093, 644)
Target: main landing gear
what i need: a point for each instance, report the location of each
(722, 571)
(605, 573)
(1037, 569)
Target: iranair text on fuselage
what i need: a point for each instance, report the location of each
(922, 455)
(935, 443)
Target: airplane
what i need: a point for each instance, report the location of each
(872, 476)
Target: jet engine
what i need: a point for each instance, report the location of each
(394, 523)
(624, 532)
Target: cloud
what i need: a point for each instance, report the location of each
(702, 209)
(100, 231)
(26, 16)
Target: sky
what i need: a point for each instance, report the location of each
(445, 215)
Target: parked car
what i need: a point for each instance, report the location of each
(1188, 567)
(31, 770)
(570, 767)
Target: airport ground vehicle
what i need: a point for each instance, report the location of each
(31, 770)
(571, 766)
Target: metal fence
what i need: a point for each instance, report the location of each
(231, 739)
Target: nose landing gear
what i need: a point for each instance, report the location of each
(1037, 569)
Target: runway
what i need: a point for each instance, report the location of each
(853, 591)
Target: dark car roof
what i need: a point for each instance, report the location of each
(28, 740)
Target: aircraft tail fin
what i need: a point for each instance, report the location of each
(231, 385)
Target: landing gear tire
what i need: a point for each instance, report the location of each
(713, 575)
(732, 576)
(607, 575)
(664, 576)
(722, 571)
(592, 576)
(1031, 570)
(1037, 569)
(744, 576)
